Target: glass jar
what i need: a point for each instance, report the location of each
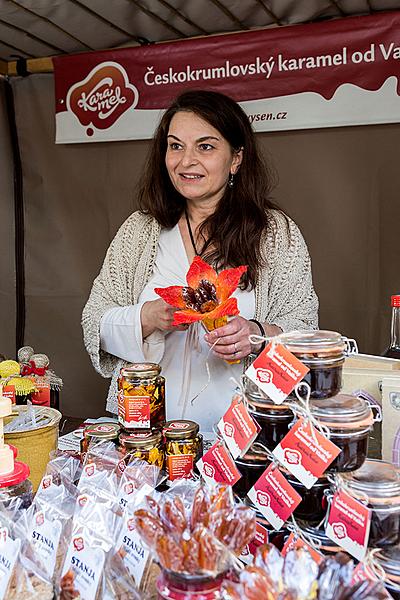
(251, 466)
(323, 352)
(17, 485)
(183, 448)
(314, 502)
(378, 484)
(181, 586)
(319, 538)
(141, 396)
(350, 419)
(389, 559)
(274, 419)
(145, 445)
(96, 433)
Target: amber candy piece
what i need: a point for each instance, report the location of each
(148, 527)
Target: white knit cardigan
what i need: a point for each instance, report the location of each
(284, 294)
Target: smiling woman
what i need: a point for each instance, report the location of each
(204, 191)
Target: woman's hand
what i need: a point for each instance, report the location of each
(233, 339)
(157, 314)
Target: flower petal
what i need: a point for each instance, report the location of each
(172, 295)
(199, 270)
(227, 308)
(184, 317)
(227, 282)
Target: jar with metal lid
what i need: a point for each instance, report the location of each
(183, 448)
(389, 559)
(274, 419)
(141, 396)
(314, 502)
(17, 485)
(99, 432)
(251, 466)
(319, 538)
(350, 420)
(146, 445)
(377, 483)
(323, 352)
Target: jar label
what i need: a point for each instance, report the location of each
(42, 396)
(276, 371)
(261, 537)
(134, 411)
(294, 542)
(306, 453)
(9, 551)
(217, 465)
(180, 466)
(9, 392)
(275, 498)
(238, 428)
(135, 556)
(86, 564)
(45, 535)
(348, 524)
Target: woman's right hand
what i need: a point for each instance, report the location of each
(157, 314)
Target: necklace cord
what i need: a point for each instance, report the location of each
(191, 234)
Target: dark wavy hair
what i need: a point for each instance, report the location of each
(234, 231)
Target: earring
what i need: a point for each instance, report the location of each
(230, 180)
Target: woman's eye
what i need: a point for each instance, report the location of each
(206, 146)
(174, 146)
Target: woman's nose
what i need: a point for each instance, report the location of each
(189, 157)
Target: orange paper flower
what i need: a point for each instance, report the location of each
(207, 295)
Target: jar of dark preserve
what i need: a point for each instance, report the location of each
(378, 482)
(314, 502)
(350, 420)
(251, 466)
(389, 560)
(274, 419)
(323, 352)
(319, 538)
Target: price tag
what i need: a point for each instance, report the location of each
(217, 466)
(273, 495)
(135, 556)
(238, 428)
(276, 371)
(348, 524)
(261, 537)
(305, 452)
(293, 542)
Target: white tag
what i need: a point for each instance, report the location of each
(86, 564)
(9, 550)
(136, 556)
(45, 534)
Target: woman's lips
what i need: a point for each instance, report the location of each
(190, 176)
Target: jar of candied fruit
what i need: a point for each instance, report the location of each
(141, 396)
(146, 445)
(350, 420)
(183, 448)
(389, 560)
(377, 483)
(96, 433)
(323, 352)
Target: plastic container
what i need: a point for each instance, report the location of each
(17, 485)
(314, 504)
(251, 466)
(350, 420)
(389, 559)
(141, 396)
(378, 483)
(146, 445)
(323, 352)
(183, 448)
(177, 586)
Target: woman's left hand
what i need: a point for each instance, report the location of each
(233, 339)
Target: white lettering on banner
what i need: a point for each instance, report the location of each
(104, 103)
(392, 52)
(312, 62)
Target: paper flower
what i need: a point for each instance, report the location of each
(207, 295)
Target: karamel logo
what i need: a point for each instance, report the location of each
(292, 457)
(131, 524)
(178, 426)
(263, 498)
(90, 470)
(78, 544)
(101, 98)
(129, 488)
(264, 375)
(104, 428)
(229, 429)
(82, 500)
(209, 470)
(39, 519)
(47, 481)
(339, 529)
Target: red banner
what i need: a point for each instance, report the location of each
(341, 72)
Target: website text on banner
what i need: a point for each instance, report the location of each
(342, 72)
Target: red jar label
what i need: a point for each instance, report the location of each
(180, 466)
(306, 453)
(217, 465)
(42, 396)
(348, 524)
(238, 428)
(9, 392)
(273, 495)
(134, 411)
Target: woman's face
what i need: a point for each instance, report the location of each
(199, 160)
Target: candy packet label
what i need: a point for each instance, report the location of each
(135, 555)
(276, 371)
(261, 537)
(218, 466)
(45, 536)
(294, 542)
(273, 495)
(238, 429)
(134, 411)
(9, 551)
(348, 524)
(86, 564)
(305, 452)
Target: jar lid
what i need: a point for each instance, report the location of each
(319, 536)
(180, 429)
(254, 457)
(342, 411)
(103, 431)
(141, 370)
(145, 439)
(377, 479)
(258, 407)
(319, 342)
(389, 558)
(18, 475)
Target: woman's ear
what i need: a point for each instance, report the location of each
(236, 160)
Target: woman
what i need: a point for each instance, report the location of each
(204, 191)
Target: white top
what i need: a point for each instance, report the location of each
(183, 355)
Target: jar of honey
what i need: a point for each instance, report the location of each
(183, 448)
(145, 445)
(141, 396)
(350, 420)
(96, 433)
(323, 352)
